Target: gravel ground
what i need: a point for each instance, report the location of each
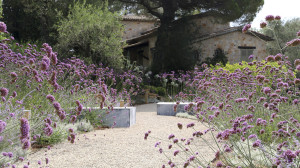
(124, 147)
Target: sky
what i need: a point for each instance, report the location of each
(287, 9)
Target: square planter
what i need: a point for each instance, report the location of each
(167, 108)
(123, 116)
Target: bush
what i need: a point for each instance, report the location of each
(93, 34)
(219, 57)
(94, 118)
(58, 135)
(84, 126)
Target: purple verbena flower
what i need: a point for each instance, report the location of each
(13, 75)
(263, 24)
(25, 128)
(190, 125)
(246, 28)
(4, 92)
(270, 18)
(176, 152)
(293, 42)
(2, 27)
(50, 98)
(2, 126)
(179, 125)
(57, 106)
(219, 164)
(277, 17)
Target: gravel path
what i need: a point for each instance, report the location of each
(123, 147)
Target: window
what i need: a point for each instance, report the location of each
(246, 52)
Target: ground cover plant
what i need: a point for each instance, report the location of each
(54, 91)
(251, 110)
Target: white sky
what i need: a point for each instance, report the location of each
(287, 9)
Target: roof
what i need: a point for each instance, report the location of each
(153, 32)
(230, 30)
(142, 18)
(144, 35)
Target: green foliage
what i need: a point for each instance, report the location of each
(30, 20)
(219, 57)
(284, 31)
(161, 91)
(167, 11)
(233, 67)
(34, 20)
(84, 126)
(94, 117)
(93, 34)
(58, 135)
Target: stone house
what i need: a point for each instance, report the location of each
(210, 34)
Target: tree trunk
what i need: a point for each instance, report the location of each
(163, 36)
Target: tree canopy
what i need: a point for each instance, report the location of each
(35, 20)
(229, 10)
(92, 33)
(282, 32)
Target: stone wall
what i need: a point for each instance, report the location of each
(230, 43)
(135, 28)
(207, 25)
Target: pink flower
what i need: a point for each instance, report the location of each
(270, 18)
(246, 28)
(57, 106)
(48, 130)
(4, 92)
(13, 75)
(50, 98)
(293, 42)
(2, 27)
(25, 128)
(2, 126)
(297, 62)
(176, 152)
(277, 17)
(266, 90)
(270, 58)
(263, 24)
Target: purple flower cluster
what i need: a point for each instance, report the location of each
(246, 28)
(270, 18)
(48, 129)
(2, 126)
(147, 134)
(4, 92)
(2, 27)
(294, 42)
(263, 24)
(50, 98)
(24, 128)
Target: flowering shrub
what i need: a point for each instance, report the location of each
(54, 91)
(250, 109)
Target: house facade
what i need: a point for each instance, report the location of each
(210, 34)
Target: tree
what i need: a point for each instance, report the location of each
(35, 20)
(169, 10)
(283, 32)
(91, 33)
